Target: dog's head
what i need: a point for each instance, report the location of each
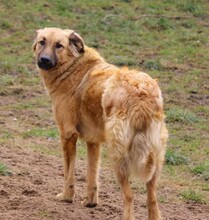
(53, 46)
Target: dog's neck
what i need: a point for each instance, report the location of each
(70, 73)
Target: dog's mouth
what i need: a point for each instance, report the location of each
(46, 63)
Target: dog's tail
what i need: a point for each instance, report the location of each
(134, 120)
(135, 151)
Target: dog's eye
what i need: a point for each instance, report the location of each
(58, 45)
(42, 42)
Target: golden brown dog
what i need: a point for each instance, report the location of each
(99, 102)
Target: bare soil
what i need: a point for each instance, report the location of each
(29, 192)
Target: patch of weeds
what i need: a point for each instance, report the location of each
(161, 199)
(44, 214)
(181, 115)
(6, 80)
(45, 150)
(30, 104)
(3, 92)
(187, 138)
(188, 24)
(6, 134)
(206, 151)
(24, 69)
(191, 6)
(205, 187)
(193, 196)
(104, 156)
(6, 65)
(164, 24)
(152, 65)
(48, 133)
(82, 149)
(206, 176)
(159, 24)
(193, 146)
(30, 81)
(21, 106)
(40, 102)
(4, 170)
(123, 61)
(203, 109)
(82, 152)
(171, 88)
(202, 170)
(175, 158)
(4, 24)
(104, 152)
(169, 170)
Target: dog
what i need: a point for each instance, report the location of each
(99, 102)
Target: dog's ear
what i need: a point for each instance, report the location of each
(35, 40)
(76, 44)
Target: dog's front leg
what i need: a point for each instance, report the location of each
(69, 152)
(92, 174)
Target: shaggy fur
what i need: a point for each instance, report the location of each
(99, 102)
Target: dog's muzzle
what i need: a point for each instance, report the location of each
(45, 62)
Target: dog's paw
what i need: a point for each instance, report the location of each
(129, 217)
(64, 197)
(91, 205)
(88, 203)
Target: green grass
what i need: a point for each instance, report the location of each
(35, 102)
(4, 170)
(202, 170)
(193, 196)
(205, 187)
(5, 134)
(173, 157)
(6, 80)
(152, 65)
(38, 132)
(181, 115)
(167, 39)
(44, 214)
(43, 149)
(191, 6)
(161, 199)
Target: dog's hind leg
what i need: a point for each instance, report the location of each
(69, 151)
(92, 174)
(123, 179)
(119, 139)
(153, 210)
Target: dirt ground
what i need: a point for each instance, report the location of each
(29, 192)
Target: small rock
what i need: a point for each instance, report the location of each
(3, 193)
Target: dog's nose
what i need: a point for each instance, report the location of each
(45, 62)
(45, 59)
